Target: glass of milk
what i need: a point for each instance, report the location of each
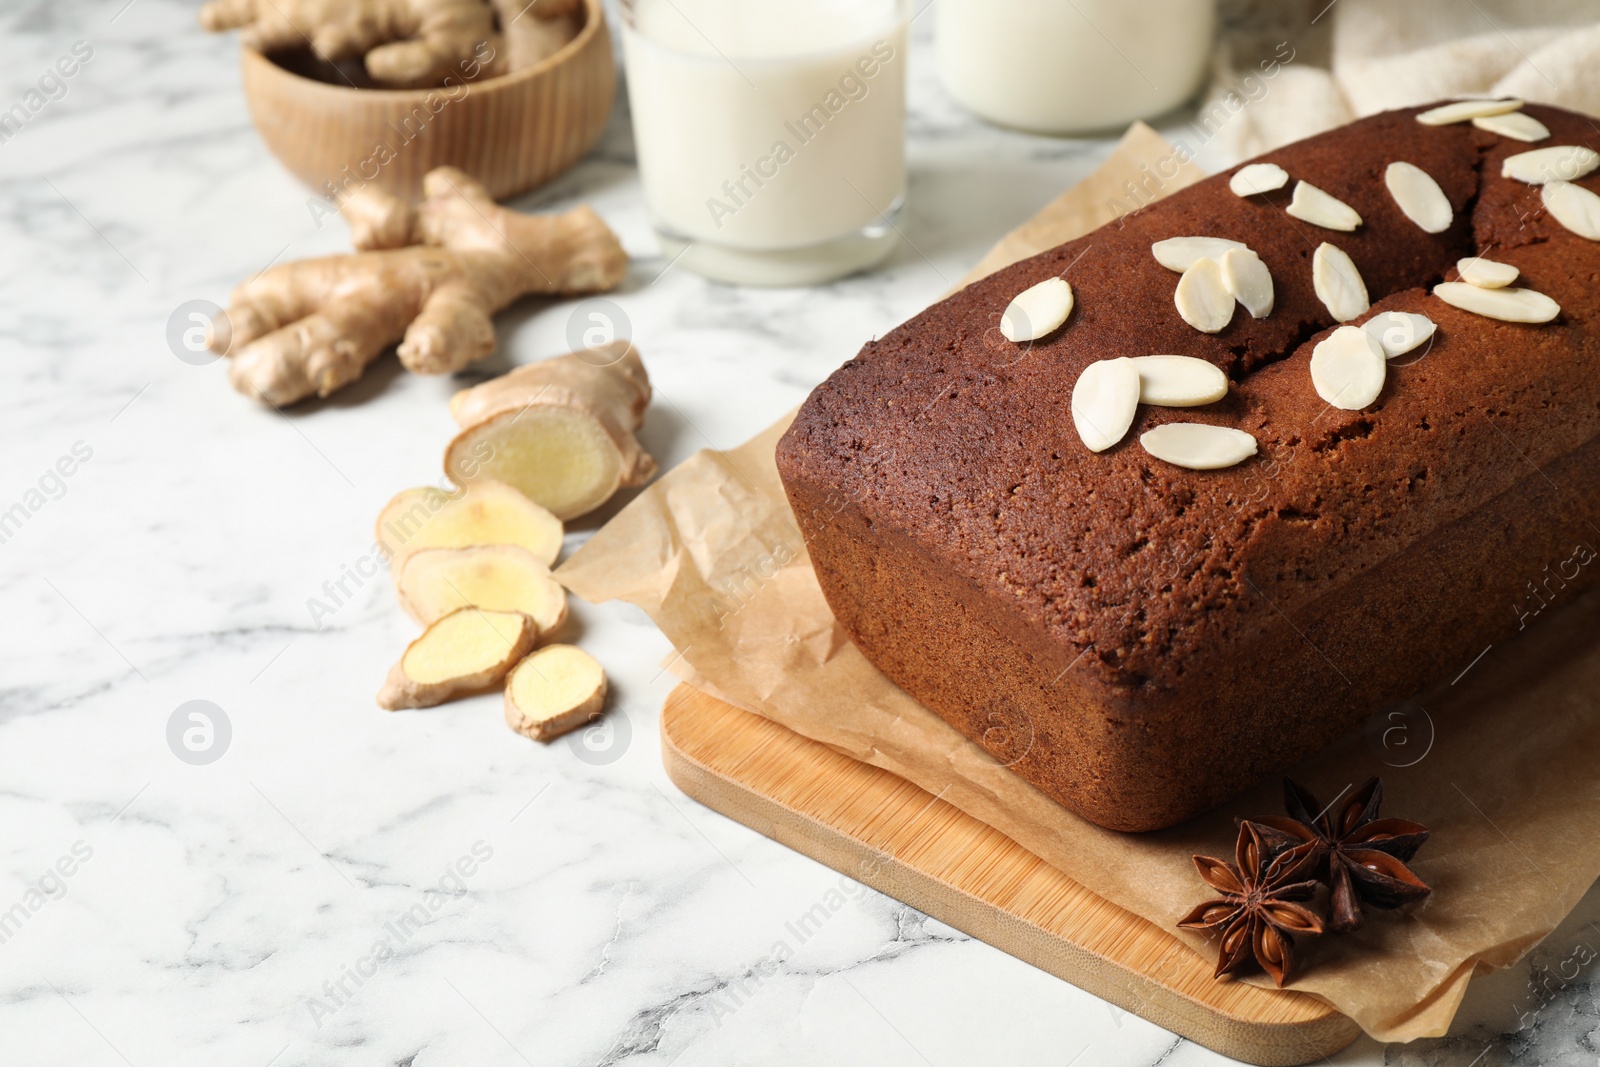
(770, 133)
(1073, 66)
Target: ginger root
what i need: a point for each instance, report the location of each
(407, 43)
(532, 32)
(433, 582)
(483, 513)
(432, 280)
(464, 652)
(556, 689)
(561, 430)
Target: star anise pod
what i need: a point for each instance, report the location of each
(1360, 857)
(1256, 914)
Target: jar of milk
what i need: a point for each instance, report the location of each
(770, 133)
(1072, 66)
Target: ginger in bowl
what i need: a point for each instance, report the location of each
(383, 91)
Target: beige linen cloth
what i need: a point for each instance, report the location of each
(1356, 57)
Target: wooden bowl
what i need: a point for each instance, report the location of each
(511, 132)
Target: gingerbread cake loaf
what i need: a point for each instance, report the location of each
(1357, 506)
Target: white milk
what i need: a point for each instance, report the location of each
(770, 133)
(1063, 66)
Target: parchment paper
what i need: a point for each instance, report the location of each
(1503, 764)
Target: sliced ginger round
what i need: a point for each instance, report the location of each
(561, 457)
(485, 512)
(464, 652)
(433, 582)
(556, 689)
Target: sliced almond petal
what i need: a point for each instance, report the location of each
(1312, 205)
(1254, 178)
(1508, 305)
(1248, 279)
(1104, 402)
(1558, 163)
(1179, 381)
(1181, 253)
(1486, 273)
(1198, 446)
(1574, 207)
(1398, 332)
(1338, 284)
(1037, 311)
(1419, 196)
(1462, 110)
(1517, 125)
(1348, 368)
(1203, 298)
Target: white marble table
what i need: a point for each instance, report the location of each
(348, 886)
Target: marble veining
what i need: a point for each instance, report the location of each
(349, 886)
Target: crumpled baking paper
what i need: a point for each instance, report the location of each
(1503, 765)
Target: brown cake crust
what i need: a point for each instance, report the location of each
(1140, 640)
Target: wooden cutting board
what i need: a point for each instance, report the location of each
(887, 833)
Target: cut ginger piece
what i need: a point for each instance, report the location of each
(466, 651)
(561, 430)
(433, 582)
(556, 689)
(485, 512)
(560, 457)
